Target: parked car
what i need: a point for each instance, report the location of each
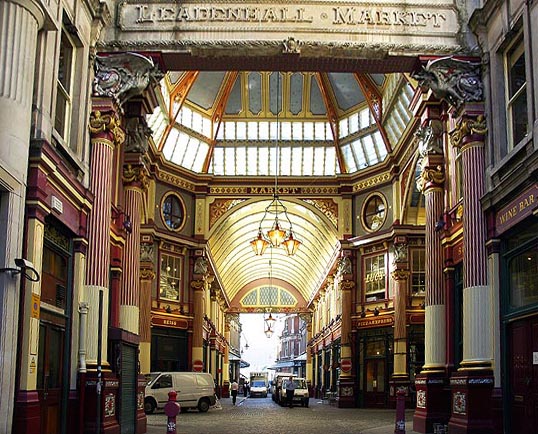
(194, 390)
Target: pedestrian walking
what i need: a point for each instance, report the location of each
(290, 391)
(234, 389)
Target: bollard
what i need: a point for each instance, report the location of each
(400, 412)
(171, 409)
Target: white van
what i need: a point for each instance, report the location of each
(276, 385)
(194, 390)
(301, 395)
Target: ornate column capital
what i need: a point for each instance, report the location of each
(430, 178)
(347, 285)
(452, 80)
(198, 285)
(469, 129)
(147, 273)
(400, 274)
(136, 175)
(107, 125)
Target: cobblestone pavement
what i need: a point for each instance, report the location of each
(263, 416)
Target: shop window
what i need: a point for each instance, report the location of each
(523, 271)
(375, 281)
(173, 212)
(55, 269)
(170, 277)
(64, 88)
(418, 272)
(374, 212)
(516, 92)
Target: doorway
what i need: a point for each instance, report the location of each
(523, 368)
(49, 376)
(375, 383)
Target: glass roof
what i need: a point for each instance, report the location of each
(256, 123)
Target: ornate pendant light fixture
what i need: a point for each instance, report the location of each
(276, 236)
(270, 321)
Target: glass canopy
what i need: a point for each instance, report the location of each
(323, 124)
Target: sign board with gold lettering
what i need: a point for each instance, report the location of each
(177, 323)
(522, 206)
(375, 321)
(396, 25)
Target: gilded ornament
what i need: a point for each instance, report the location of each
(347, 285)
(147, 274)
(101, 123)
(431, 175)
(466, 127)
(136, 174)
(400, 274)
(197, 284)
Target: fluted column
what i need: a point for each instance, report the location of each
(135, 180)
(401, 278)
(105, 135)
(433, 395)
(472, 385)
(477, 295)
(431, 184)
(147, 275)
(346, 382)
(21, 21)
(198, 287)
(309, 364)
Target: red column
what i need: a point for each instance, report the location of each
(106, 134)
(431, 384)
(472, 384)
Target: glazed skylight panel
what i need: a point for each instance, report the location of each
(370, 150)
(157, 122)
(349, 159)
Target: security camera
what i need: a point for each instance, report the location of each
(23, 263)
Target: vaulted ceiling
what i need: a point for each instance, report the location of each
(277, 125)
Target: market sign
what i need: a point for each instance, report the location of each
(393, 24)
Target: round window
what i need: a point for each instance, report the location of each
(173, 212)
(374, 212)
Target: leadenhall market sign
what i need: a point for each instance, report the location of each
(409, 22)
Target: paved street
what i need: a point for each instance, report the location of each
(263, 416)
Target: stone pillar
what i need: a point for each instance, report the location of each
(473, 383)
(27, 397)
(147, 275)
(106, 134)
(198, 287)
(226, 361)
(431, 384)
(21, 21)
(346, 383)
(400, 276)
(310, 379)
(135, 184)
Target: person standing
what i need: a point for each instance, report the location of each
(290, 391)
(234, 389)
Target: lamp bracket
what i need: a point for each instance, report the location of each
(24, 267)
